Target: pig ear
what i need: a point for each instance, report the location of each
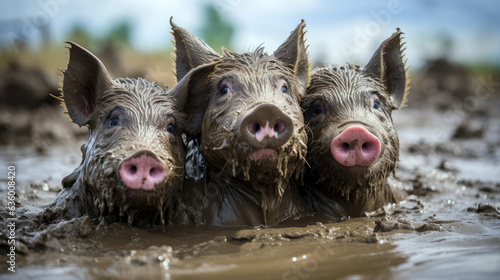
(84, 80)
(191, 95)
(190, 51)
(388, 66)
(293, 52)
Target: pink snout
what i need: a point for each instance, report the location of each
(142, 173)
(261, 132)
(355, 146)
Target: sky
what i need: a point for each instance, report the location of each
(338, 31)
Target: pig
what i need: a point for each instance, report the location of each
(353, 146)
(245, 115)
(132, 165)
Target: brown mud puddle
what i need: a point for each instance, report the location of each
(449, 227)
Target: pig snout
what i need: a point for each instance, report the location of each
(266, 127)
(355, 146)
(142, 171)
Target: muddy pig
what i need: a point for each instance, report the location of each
(132, 164)
(245, 113)
(353, 145)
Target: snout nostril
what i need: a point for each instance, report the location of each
(266, 126)
(279, 127)
(254, 127)
(142, 171)
(133, 169)
(366, 146)
(345, 146)
(355, 146)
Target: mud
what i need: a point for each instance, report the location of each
(448, 227)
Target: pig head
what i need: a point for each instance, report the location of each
(353, 145)
(133, 160)
(246, 112)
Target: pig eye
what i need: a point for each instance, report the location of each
(115, 122)
(116, 118)
(318, 109)
(170, 128)
(374, 101)
(282, 86)
(224, 90)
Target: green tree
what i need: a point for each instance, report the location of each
(216, 30)
(120, 34)
(81, 36)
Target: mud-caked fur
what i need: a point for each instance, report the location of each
(255, 78)
(339, 96)
(124, 117)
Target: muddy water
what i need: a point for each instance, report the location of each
(449, 227)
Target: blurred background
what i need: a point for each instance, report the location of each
(452, 47)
